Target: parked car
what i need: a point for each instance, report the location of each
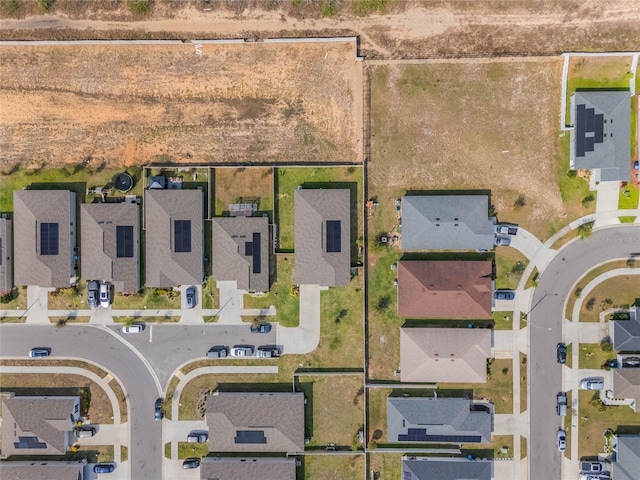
(219, 351)
(37, 352)
(268, 352)
(593, 466)
(84, 431)
(93, 287)
(197, 437)
(504, 294)
(561, 440)
(104, 295)
(261, 328)
(133, 328)
(159, 410)
(631, 362)
(561, 404)
(191, 463)
(502, 241)
(191, 297)
(331, 447)
(592, 383)
(103, 468)
(505, 229)
(242, 351)
(597, 476)
(561, 353)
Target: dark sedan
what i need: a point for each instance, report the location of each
(562, 353)
(261, 328)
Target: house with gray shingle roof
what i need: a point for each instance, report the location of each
(627, 457)
(41, 425)
(429, 468)
(6, 255)
(110, 244)
(240, 468)
(38, 470)
(173, 237)
(626, 333)
(446, 222)
(45, 225)
(626, 384)
(256, 422)
(438, 420)
(601, 132)
(322, 235)
(444, 354)
(241, 251)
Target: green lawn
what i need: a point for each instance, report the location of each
(287, 181)
(628, 197)
(18, 300)
(186, 450)
(503, 320)
(592, 355)
(510, 264)
(387, 466)
(567, 420)
(523, 382)
(333, 467)
(147, 298)
(616, 292)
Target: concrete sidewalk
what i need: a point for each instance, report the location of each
(532, 248)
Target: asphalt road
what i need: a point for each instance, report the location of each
(554, 286)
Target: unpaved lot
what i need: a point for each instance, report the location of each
(136, 104)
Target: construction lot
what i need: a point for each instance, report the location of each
(175, 102)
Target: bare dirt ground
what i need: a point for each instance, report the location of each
(410, 28)
(142, 103)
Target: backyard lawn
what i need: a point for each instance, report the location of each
(243, 185)
(388, 466)
(333, 467)
(618, 292)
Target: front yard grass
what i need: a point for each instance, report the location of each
(243, 185)
(595, 418)
(503, 320)
(617, 292)
(566, 424)
(523, 382)
(628, 197)
(510, 264)
(186, 450)
(72, 298)
(16, 300)
(523, 447)
(592, 355)
(332, 467)
(148, 298)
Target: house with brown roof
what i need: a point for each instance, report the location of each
(444, 289)
(39, 470)
(40, 425)
(241, 468)
(241, 251)
(322, 237)
(626, 384)
(174, 242)
(45, 225)
(256, 422)
(6, 255)
(433, 355)
(111, 244)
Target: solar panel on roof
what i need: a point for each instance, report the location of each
(124, 241)
(420, 435)
(48, 239)
(333, 238)
(599, 128)
(182, 236)
(29, 442)
(580, 130)
(256, 253)
(250, 436)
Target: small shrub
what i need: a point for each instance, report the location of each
(329, 8)
(9, 296)
(520, 202)
(294, 291)
(364, 7)
(140, 7)
(590, 303)
(377, 435)
(606, 346)
(585, 230)
(45, 5)
(518, 267)
(505, 370)
(524, 360)
(11, 7)
(62, 322)
(588, 199)
(383, 303)
(572, 173)
(578, 292)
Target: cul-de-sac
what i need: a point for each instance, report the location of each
(319, 240)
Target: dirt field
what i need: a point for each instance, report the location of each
(142, 103)
(472, 125)
(387, 28)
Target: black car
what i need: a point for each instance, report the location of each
(93, 287)
(104, 468)
(261, 328)
(191, 463)
(159, 410)
(562, 353)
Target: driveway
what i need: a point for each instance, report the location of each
(306, 336)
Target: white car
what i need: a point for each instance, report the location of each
(561, 440)
(241, 351)
(592, 383)
(133, 328)
(104, 295)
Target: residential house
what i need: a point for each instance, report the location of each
(627, 457)
(240, 468)
(600, 137)
(38, 425)
(446, 222)
(430, 468)
(256, 422)
(626, 333)
(444, 354)
(241, 251)
(6, 255)
(45, 223)
(174, 242)
(444, 289)
(439, 420)
(42, 470)
(111, 244)
(626, 384)
(322, 234)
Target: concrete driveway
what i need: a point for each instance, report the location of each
(306, 336)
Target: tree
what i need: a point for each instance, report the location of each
(585, 230)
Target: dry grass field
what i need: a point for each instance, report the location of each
(136, 104)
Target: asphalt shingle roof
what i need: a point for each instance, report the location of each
(279, 416)
(627, 464)
(444, 354)
(49, 470)
(626, 384)
(626, 333)
(314, 265)
(230, 259)
(239, 468)
(31, 208)
(99, 222)
(446, 222)
(444, 289)
(426, 468)
(439, 416)
(6, 255)
(164, 266)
